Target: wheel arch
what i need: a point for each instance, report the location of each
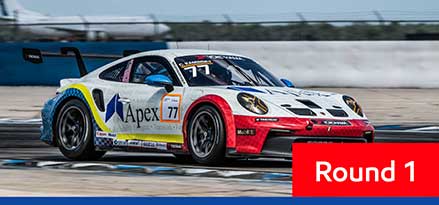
(225, 111)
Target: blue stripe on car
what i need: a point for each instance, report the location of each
(248, 89)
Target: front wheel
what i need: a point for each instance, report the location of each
(74, 132)
(206, 136)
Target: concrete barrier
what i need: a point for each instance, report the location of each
(319, 63)
(342, 63)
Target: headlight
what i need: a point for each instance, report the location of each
(252, 103)
(353, 105)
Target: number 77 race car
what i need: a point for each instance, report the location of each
(206, 104)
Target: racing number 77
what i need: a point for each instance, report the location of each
(172, 111)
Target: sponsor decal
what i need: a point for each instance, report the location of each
(197, 63)
(267, 119)
(175, 146)
(114, 106)
(298, 93)
(154, 145)
(219, 57)
(169, 111)
(134, 143)
(170, 108)
(120, 143)
(141, 144)
(246, 132)
(105, 134)
(315, 93)
(139, 115)
(331, 122)
(335, 123)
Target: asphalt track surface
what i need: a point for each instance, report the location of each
(21, 141)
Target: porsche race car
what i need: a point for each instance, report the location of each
(201, 103)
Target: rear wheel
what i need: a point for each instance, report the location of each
(74, 132)
(206, 136)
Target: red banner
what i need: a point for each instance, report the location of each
(378, 169)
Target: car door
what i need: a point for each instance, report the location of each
(150, 113)
(107, 95)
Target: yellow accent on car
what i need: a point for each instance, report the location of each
(169, 138)
(91, 104)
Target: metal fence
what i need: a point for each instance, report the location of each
(368, 25)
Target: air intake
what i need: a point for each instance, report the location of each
(309, 103)
(302, 111)
(337, 113)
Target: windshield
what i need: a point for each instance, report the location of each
(211, 70)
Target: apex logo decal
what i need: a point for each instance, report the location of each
(141, 115)
(114, 106)
(130, 114)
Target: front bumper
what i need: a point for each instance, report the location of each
(272, 137)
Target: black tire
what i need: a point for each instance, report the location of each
(74, 132)
(206, 136)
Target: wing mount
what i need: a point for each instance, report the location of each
(36, 56)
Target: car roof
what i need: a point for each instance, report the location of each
(184, 52)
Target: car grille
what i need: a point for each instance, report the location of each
(302, 111)
(337, 113)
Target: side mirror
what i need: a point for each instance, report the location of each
(160, 80)
(288, 83)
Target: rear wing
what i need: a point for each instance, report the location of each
(36, 56)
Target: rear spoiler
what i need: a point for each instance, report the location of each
(36, 56)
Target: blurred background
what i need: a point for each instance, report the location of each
(196, 20)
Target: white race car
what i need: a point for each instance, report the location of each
(207, 104)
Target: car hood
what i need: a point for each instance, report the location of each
(283, 101)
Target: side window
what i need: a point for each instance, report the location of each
(115, 73)
(152, 65)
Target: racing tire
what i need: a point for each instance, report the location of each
(74, 132)
(206, 136)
